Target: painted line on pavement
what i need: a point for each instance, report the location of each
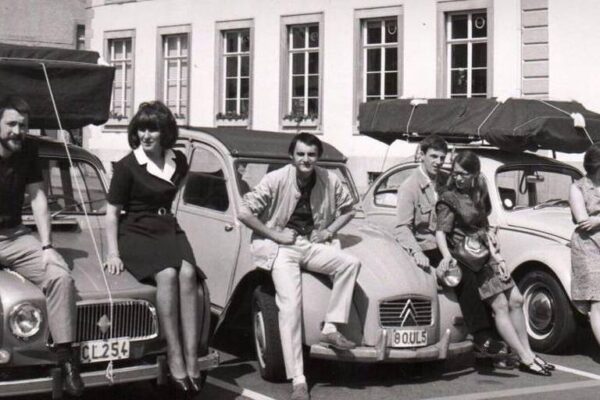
(496, 394)
(241, 391)
(577, 372)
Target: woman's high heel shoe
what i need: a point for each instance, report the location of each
(545, 364)
(181, 384)
(196, 383)
(534, 368)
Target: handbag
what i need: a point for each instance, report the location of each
(472, 252)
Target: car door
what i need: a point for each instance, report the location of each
(379, 203)
(206, 212)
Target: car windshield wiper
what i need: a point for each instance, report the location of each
(552, 203)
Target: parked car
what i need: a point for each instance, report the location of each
(133, 339)
(529, 197)
(398, 314)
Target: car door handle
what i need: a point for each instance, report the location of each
(228, 228)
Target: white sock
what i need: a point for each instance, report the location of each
(297, 380)
(328, 327)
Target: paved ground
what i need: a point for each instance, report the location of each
(577, 378)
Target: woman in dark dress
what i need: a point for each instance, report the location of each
(147, 239)
(462, 211)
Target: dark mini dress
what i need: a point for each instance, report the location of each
(457, 215)
(150, 238)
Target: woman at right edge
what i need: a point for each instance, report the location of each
(462, 210)
(584, 199)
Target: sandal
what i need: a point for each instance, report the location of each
(534, 368)
(543, 363)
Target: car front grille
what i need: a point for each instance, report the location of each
(405, 312)
(134, 319)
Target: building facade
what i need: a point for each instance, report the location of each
(306, 65)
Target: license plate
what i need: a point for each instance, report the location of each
(104, 350)
(409, 337)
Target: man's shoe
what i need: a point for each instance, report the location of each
(300, 392)
(71, 378)
(337, 340)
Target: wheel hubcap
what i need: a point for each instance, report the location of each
(259, 338)
(539, 310)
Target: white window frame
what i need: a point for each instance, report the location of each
(109, 38)
(287, 23)
(222, 28)
(445, 7)
(361, 17)
(162, 71)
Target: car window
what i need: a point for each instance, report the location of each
(61, 188)
(249, 173)
(534, 186)
(385, 194)
(206, 185)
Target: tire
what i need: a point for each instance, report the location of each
(267, 342)
(550, 319)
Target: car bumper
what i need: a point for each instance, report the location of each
(53, 383)
(382, 353)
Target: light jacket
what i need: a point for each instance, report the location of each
(274, 199)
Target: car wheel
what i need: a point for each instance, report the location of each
(265, 325)
(548, 313)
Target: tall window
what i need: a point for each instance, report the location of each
(175, 69)
(120, 56)
(236, 73)
(80, 37)
(467, 55)
(303, 63)
(380, 59)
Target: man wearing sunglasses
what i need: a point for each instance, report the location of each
(415, 231)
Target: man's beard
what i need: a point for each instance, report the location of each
(13, 144)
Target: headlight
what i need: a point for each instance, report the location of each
(25, 320)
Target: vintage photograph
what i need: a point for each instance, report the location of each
(286, 199)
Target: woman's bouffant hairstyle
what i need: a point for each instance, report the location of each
(591, 160)
(479, 193)
(153, 116)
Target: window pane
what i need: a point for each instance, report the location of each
(313, 85)
(458, 81)
(373, 60)
(391, 31)
(127, 49)
(245, 87)
(231, 42)
(479, 55)
(298, 38)
(184, 71)
(391, 84)
(373, 84)
(246, 40)
(298, 63)
(391, 59)
(231, 88)
(297, 106)
(244, 106)
(479, 82)
(313, 63)
(184, 46)
(313, 36)
(298, 86)
(118, 49)
(479, 27)
(459, 26)
(230, 106)
(172, 70)
(245, 66)
(459, 56)
(171, 45)
(373, 32)
(313, 106)
(231, 67)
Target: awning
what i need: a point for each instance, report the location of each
(514, 124)
(82, 89)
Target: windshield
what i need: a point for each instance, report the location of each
(535, 186)
(249, 173)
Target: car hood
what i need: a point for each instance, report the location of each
(77, 248)
(386, 269)
(555, 221)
